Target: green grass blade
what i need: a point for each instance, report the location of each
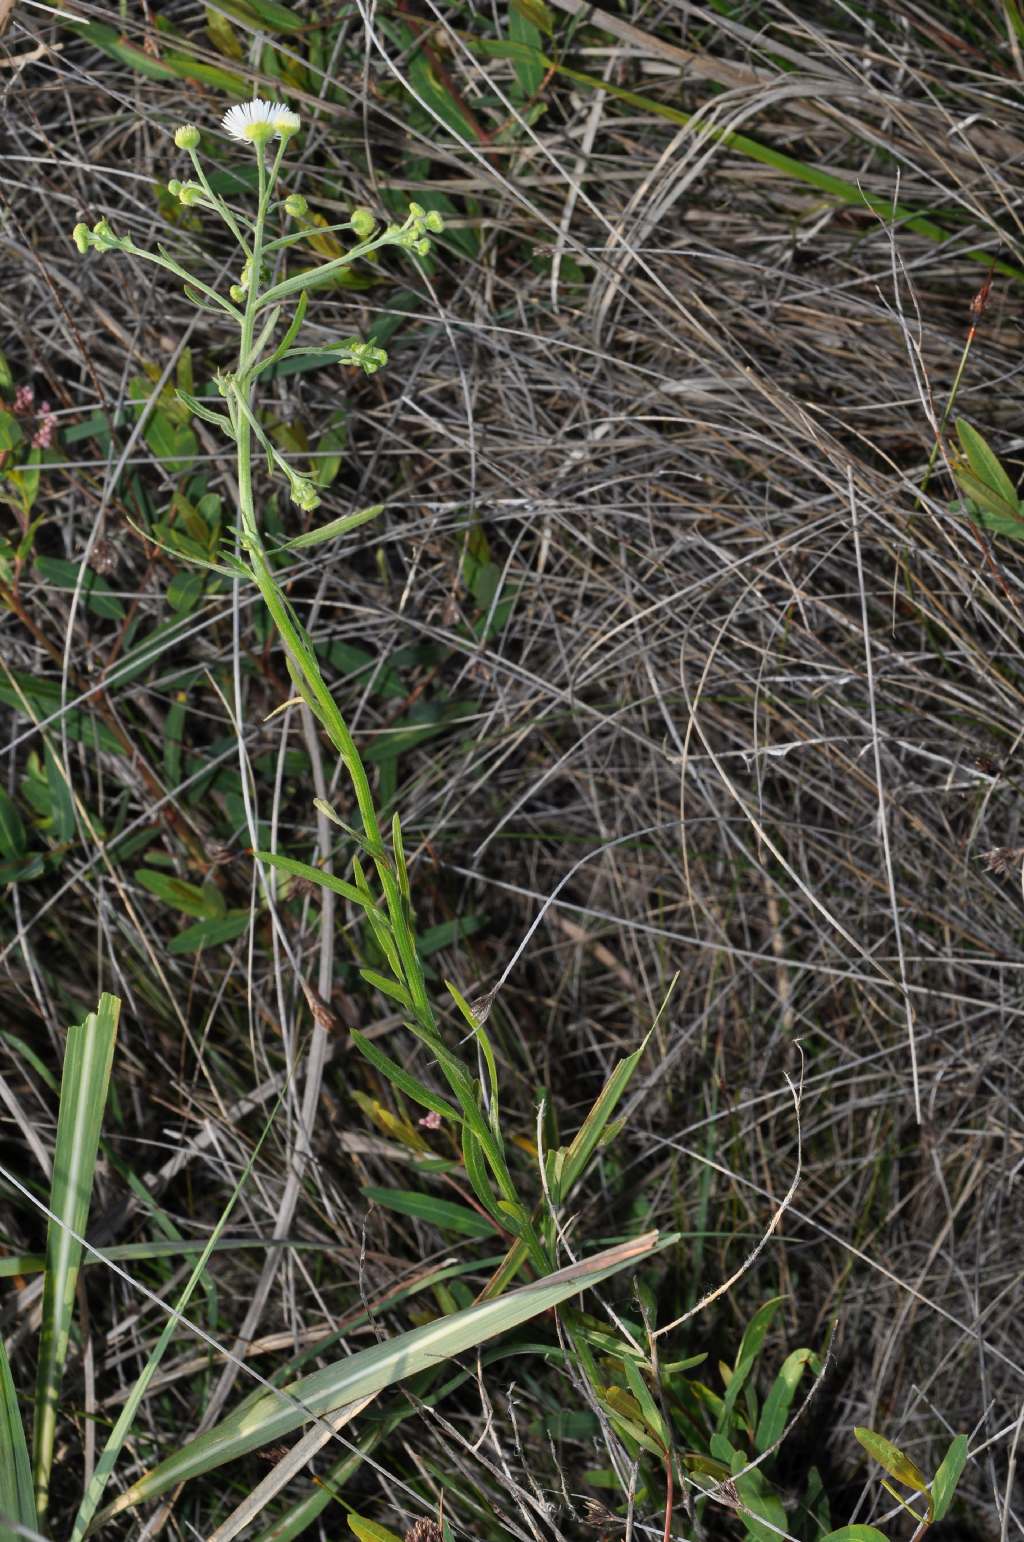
(126, 1419)
(17, 1500)
(841, 188)
(270, 1417)
(589, 1134)
(88, 1055)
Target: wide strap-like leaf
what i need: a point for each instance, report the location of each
(274, 1415)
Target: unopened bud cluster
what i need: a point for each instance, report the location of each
(100, 238)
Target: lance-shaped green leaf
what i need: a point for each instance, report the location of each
(985, 464)
(948, 1476)
(272, 1416)
(340, 526)
(777, 1404)
(83, 1094)
(751, 1345)
(896, 1463)
(588, 1136)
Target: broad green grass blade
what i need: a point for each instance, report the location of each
(126, 1419)
(270, 1417)
(17, 1500)
(88, 1056)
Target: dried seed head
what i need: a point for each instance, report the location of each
(1003, 859)
(597, 1514)
(105, 555)
(423, 1530)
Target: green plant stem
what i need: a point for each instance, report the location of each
(218, 203)
(301, 657)
(186, 277)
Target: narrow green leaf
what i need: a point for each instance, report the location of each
(272, 1416)
(392, 988)
(325, 880)
(645, 1401)
(405, 1082)
(587, 1137)
(779, 1400)
(340, 526)
(625, 1413)
(751, 1345)
(529, 66)
(442, 1213)
(896, 1463)
(12, 832)
(223, 35)
(88, 1055)
(211, 933)
(17, 1500)
(189, 898)
(948, 1476)
(200, 410)
(537, 13)
(476, 1168)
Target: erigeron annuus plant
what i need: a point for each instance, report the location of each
(269, 310)
(259, 302)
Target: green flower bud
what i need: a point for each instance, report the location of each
(187, 137)
(417, 211)
(174, 187)
(304, 493)
(434, 222)
(363, 223)
(82, 238)
(365, 356)
(190, 193)
(422, 247)
(237, 293)
(103, 237)
(295, 206)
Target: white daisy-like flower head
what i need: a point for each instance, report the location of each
(257, 121)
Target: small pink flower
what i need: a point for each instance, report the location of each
(431, 1121)
(24, 396)
(43, 436)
